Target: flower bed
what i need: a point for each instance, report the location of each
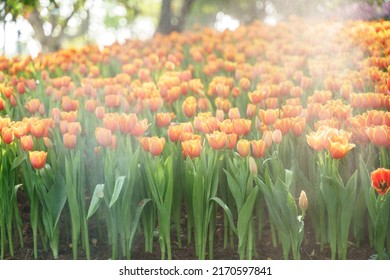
(269, 126)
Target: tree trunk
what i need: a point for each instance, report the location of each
(168, 21)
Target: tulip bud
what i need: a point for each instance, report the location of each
(303, 203)
(252, 166)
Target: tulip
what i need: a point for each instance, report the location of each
(379, 135)
(231, 140)
(69, 140)
(191, 148)
(269, 116)
(380, 180)
(252, 166)
(127, 122)
(156, 145)
(7, 135)
(256, 97)
(277, 136)
(217, 140)
(140, 128)
(174, 132)
(32, 106)
(259, 148)
(103, 136)
(144, 141)
(38, 159)
(315, 141)
(27, 142)
(226, 126)
(163, 119)
(338, 149)
(251, 110)
(21, 88)
(189, 106)
(245, 83)
(243, 147)
(242, 126)
(303, 203)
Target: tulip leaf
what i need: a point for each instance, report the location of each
(134, 226)
(117, 189)
(17, 161)
(245, 215)
(97, 196)
(227, 211)
(369, 193)
(56, 198)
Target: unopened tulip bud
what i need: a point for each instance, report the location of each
(252, 166)
(303, 203)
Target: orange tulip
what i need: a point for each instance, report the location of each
(298, 125)
(163, 119)
(90, 105)
(315, 141)
(380, 180)
(226, 126)
(7, 135)
(174, 132)
(32, 106)
(379, 135)
(256, 96)
(38, 159)
(277, 136)
(191, 148)
(242, 126)
(27, 142)
(21, 88)
(140, 128)
(155, 103)
(259, 148)
(99, 112)
(20, 129)
(74, 128)
(156, 145)
(68, 104)
(245, 83)
(234, 113)
(144, 141)
(251, 110)
(283, 125)
(69, 140)
(243, 147)
(37, 129)
(103, 136)
(189, 106)
(231, 140)
(339, 149)
(217, 140)
(127, 122)
(269, 116)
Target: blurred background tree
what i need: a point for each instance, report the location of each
(54, 23)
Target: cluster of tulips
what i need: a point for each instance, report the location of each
(264, 127)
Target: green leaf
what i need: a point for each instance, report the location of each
(17, 161)
(234, 189)
(57, 198)
(97, 196)
(245, 215)
(117, 189)
(289, 177)
(137, 216)
(369, 193)
(227, 211)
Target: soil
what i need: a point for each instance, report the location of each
(100, 250)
